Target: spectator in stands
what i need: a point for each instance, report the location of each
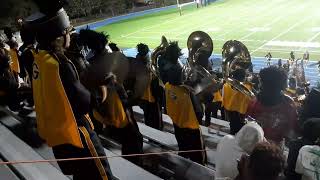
(274, 111)
(308, 166)
(180, 105)
(266, 162)
(231, 148)
(311, 106)
(310, 134)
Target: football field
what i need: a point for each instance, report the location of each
(276, 26)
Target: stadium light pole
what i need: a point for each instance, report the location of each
(178, 4)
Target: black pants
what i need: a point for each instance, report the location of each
(130, 138)
(190, 139)
(152, 114)
(212, 111)
(84, 169)
(237, 121)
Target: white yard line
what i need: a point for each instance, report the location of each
(283, 33)
(265, 26)
(168, 21)
(314, 37)
(270, 5)
(310, 40)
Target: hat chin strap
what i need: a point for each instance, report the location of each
(65, 41)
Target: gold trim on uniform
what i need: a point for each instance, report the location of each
(94, 153)
(180, 107)
(55, 119)
(14, 65)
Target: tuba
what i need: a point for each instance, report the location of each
(196, 71)
(159, 51)
(235, 55)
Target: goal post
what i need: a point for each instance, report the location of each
(181, 5)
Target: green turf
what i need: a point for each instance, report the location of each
(254, 22)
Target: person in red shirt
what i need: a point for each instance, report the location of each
(272, 109)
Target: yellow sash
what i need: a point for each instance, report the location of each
(115, 114)
(234, 100)
(55, 119)
(147, 96)
(291, 92)
(14, 65)
(217, 97)
(179, 107)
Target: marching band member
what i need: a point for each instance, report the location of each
(235, 103)
(150, 100)
(268, 57)
(14, 55)
(61, 101)
(180, 107)
(292, 89)
(274, 111)
(111, 107)
(113, 113)
(213, 107)
(8, 82)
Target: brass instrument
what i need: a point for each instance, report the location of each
(199, 41)
(195, 71)
(235, 55)
(159, 51)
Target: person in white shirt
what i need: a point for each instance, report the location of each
(231, 148)
(308, 162)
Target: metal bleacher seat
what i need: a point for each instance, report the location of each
(7, 173)
(122, 169)
(13, 149)
(125, 170)
(167, 140)
(162, 138)
(211, 136)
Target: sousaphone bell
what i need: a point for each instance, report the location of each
(196, 70)
(235, 55)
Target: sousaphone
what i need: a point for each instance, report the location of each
(196, 70)
(235, 55)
